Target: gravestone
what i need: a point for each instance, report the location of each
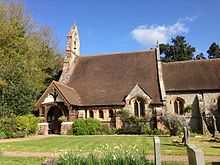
(186, 136)
(216, 133)
(157, 155)
(195, 155)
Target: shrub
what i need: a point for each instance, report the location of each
(188, 109)
(8, 124)
(146, 130)
(86, 127)
(108, 158)
(2, 135)
(27, 124)
(174, 123)
(41, 119)
(62, 118)
(108, 130)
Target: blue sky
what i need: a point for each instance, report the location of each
(107, 26)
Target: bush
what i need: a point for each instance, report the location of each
(108, 130)
(174, 123)
(108, 158)
(8, 125)
(146, 130)
(2, 135)
(86, 127)
(27, 124)
(18, 134)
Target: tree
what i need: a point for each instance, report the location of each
(30, 59)
(200, 56)
(214, 51)
(179, 51)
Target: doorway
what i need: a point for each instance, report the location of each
(52, 118)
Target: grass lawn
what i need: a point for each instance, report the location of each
(94, 143)
(85, 144)
(20, 161)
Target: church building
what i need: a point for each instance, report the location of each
(100, 85)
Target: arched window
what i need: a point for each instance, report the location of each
(139, 107)
(136, 108)
(142, 108)
(101, 115)
(111, 113)
(91, 115)
(179, 106)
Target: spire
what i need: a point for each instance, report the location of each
(73, 42)
(72, 52)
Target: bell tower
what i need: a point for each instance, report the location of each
(72, 52)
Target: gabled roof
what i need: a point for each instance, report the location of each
(68, 95)
(108, 79)
(192, 75)
(137, 91)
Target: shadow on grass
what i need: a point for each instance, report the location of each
(174, 145)
(215, 163)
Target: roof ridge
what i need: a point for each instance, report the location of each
(191, 61)
(114, 53)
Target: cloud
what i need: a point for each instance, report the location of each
(192, 18)
(149, 35)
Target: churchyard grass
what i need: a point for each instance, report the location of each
(88, 144)
(20, 160)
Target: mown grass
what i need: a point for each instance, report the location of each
(88, 144)
(20, 161)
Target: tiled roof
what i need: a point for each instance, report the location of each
(192, 75)
(107, 79)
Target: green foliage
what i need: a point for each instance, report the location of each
(146, 130)
(29, 57)
(179, 51)
(27, 124)
(2, 135)
(8, 125)
(105, 129)
(188, 109)
(135, 125)
(214, 51)
(200, 56)
(108, 159)
(174, 123)
(62, 118)
(86, 127)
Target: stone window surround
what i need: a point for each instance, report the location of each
(178, 104)
(141, 106)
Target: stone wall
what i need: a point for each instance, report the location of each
(65, 126)
(193, 99)
(43, 128)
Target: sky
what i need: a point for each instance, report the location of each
(108, 26)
